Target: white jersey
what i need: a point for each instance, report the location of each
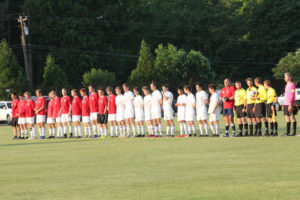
(201, 98)
(148, 107)
(138, 104)
(156, 108)
(213, 100)
(190, 109)
(167, 104)
(128, 100)
(120, 107)
(181, 109)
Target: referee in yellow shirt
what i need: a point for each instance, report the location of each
(240, 108)
(270, 107)
(250, 101)
(260, 107)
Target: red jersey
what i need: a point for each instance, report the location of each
(93, 101)
(85, 106)
(21, 107)
(227, 92)
(56, 107)
(40, 102)
(14, 108)
(112, 104)
(76, 106)
(50, 109)
(65, 103)
(29, 108)
(102, 103)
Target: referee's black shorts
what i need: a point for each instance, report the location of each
(14, 121)
(239, 111)
(260, 110)
(250, 113)
(269, 110)
(102, 118)
(287, 113)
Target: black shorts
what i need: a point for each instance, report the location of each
(239, 111)
(269, 110)
(102, 118)
(260, 110)
(250, 113)
(14, 121)
(287, 113)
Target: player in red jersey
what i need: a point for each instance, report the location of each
(86, 113)
(30, 114)
(112, 112)
(93, 101)
(102, 113)
(76, 113)
(66, 108)
(227, 96)
(40, 111)
(50, 117)
(22, 117)
(15, 115)
(57, 114)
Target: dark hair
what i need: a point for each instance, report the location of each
(14, 93)
(267, 82)
(258, 80)
(83, 90)
(135, 88)
(38, 90)
(109, 88)
(179, 88)
(90, 85)
(249, 79)
(125, 84)
(212, 86)
(146, 88)
(153, 83)
(100, 88)
(165, 85)
(186, 87)
(198, 83)
(237, 81)
(20, 94)
(74, 90)
(118, 87)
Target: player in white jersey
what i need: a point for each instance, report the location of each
(168, 110)
(214, 110)
(148, 110)
(120, 111)
(201, 109)
(129, 110)
(190, 111)
(181, 104)
(138, 102)
(156, 110)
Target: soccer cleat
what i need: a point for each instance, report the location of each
(207, 135)
(195, 135)
(142, 136)
(226, 135)
(78, 137)
(201, 135)
(246, 135)
(190, 135)
(150, 136)
(71, 135)
(294, 134)
(15, 137)
(102, 137)
(26, 137)
(19, 137)
(276, 134)
(217, 135)
(172, 135)
(179, 136)
(65, 135)
(42, 137)
(267, 135)
(22, 138)
(233, 135)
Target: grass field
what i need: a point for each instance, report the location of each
(150, 168)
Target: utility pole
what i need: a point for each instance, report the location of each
(26, 57)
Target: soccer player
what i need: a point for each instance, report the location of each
(181, 104)
(214, 110)
(201, 109)
(112, 109)
(240, 108)
(22, 117)
(66, 109)
(289, 99)
(190, 111)
(148, 110)
(30, 114)
(260, 107)
(270, 107)
(93, 101)
(102, 113)
(120, 111)
(57, 114)
(50, 119)
(227, 96)
(156, 101)
(129, 110)
(76, 113)
(40, 111)
(250, 101)
(139, 112)
(15, 115)
(168, 110)
(86, 113)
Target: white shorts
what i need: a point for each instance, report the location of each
(40, 118)
(201, 116)
(76, 118)
(214, 117)
(129, 113)
(86, 119)
(189, 115)
(139, 116)
(181, 116)
(111, 117)
(65, 118)
(148, 116)
(156, 113)
(57, 119)
(168, 115)
(120, 116)
(30, 120)
(50, 120)
(93, 116)
(22, 120)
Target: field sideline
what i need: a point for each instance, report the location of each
(151, 168)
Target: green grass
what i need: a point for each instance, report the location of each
(150, 168)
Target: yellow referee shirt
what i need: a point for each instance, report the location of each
(261, 94)
(271, 93)
(249, 97)
(239, 97)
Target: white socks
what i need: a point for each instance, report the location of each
(213, 130)
(206, 129)
(160, 129)
(95, 129)
(201, 129)
(181, 127)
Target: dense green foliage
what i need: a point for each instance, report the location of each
(99, 78)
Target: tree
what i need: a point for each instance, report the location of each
(99, 78)
(11, 74)
(289, 63)
(54, 77)
(144, 73)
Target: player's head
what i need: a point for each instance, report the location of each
(227, 82)
(165, 87)
(50, 95)
(83, 92)
(198, 87)
(187, 89)
(257, 81)
(153, 86)
(212, 88)
(64, 91)
(109, 90)
(21, 96)
(267, 83)
(118, 90)
(74, 92)
(125, 87)
(287, 77)
(136, 91)
(27, 95)
(180, 91)
(100, 91)
(13, 95)
(91, 88)
(146, 90)
(238, 84)
(38, 92)
(53, 93)
(249, 82)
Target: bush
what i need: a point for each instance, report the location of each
(98, 78)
